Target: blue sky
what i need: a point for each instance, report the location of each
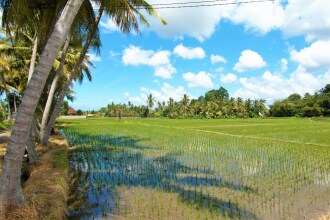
(259, 50)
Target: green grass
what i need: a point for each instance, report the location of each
(229, 168)
(5, 125)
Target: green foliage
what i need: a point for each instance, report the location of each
(60, 159)
(79, 112)
(215, 95)
(223, 169)
(64, 108)
(215, 104)
(4, 125)
(308, 106)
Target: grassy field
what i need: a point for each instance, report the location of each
(199, 169)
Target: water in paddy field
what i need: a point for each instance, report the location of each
(222, 184)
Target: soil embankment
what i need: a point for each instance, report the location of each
(45, 186)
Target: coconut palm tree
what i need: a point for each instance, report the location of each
(185, 103)
(123, 13)
(10, 187)
(150, 100)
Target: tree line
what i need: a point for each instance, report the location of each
(216, 103)
(310, 105)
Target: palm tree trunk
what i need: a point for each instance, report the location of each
(8, 104)
(51, 93)
(32, 154)
(46, 134)
(33, 58)
(15, 108)
(10, 188)
(7, 95)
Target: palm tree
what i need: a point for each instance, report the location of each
(10, 187)
(123, 12)
(150, 101)
(185, 103)
(51, 93)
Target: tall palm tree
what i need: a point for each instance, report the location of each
(185, 103)
(51, 92)
(10, 187)
(123, 13)
(150, 100)
(47, 127)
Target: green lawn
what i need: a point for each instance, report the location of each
(199, 169)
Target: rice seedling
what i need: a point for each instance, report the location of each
(198, 169)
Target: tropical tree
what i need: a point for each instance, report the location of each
(150, 101)
(4, 87)
(185, 103)
(10, 187)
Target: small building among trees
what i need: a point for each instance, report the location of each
(71, 111)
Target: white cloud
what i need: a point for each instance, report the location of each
(94, 58)
(294, 18)
(307, 18)
(249, 60)
(217, 59)
(271, 86)
(260, 18)
(166, 91)
(228, 78)
(284, 65)
(159, 60)
(220, 69)
(113, 53)
(200, 80)
(108, 25)
(188, 22)
(313, 57)
(189, 52)
(136, 56)
(137, 100)
(165, 71)
(126, 95)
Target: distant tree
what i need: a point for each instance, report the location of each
(150, 101)
(217, 95)
(79, 112)
(64, 108)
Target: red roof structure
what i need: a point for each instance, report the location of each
(71, 111)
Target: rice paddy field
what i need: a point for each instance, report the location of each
(198, 169)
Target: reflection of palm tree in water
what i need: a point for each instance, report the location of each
(97, 171)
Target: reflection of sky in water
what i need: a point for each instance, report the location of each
(322, 179)
(251, 168)
(101, 168)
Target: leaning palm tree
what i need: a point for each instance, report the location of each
(124, 13)
(10, 187)
(79, 75)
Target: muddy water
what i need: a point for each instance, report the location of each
(100, 165)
